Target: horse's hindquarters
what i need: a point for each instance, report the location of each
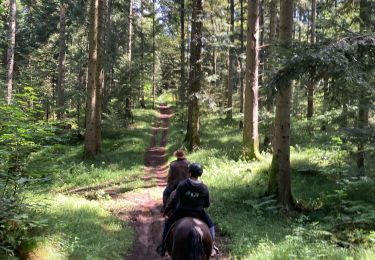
(189, 239)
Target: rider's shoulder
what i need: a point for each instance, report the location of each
(173, 162)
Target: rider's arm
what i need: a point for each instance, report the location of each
(169, 177)
(173, 203)
(207, 199)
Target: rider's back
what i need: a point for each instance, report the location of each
(178, 171)
(192, 195)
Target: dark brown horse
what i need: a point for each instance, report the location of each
(189, 239)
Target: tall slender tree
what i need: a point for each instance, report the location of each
(11, 49)
(61, 66)
(95, 80)
(195, 75)
(280, 174)
(182, 54)
(109, 50)
(130, 42)
(311, 85)
(364, 95)
(142, 70)
(250, 130)
(153, 54)
(273, 20)
(242, 88)
(231, 63)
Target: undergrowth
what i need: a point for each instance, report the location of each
(340, 222)
(70, 226)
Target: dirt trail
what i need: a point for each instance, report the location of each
(147, 220)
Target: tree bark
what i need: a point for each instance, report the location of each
(95, 80)
(273, 20)
(364, 100)
(273, 28)
(61, 69)
(142, 90)
(195, 75)
(11, 49)
(100, 76)
(242, 89)
(130, 43)
(250, 130)
(231, 65)
(153, 55)
(182, 55)
(280, 169)
(109, 53)
(311, 85)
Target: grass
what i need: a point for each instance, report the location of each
(322, 171)
(121, 159)
(80, 229)
(323, 178)
(77, 228)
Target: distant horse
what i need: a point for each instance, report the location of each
(189, 239)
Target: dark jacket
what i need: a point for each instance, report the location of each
(178, 171)
(190, 195)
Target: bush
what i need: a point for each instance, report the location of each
(19, 136)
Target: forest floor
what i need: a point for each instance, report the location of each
(109, 208)
(144, 214)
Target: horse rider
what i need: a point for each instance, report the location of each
(192, 196)
(178, 171)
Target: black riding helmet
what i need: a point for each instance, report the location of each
(195, 169)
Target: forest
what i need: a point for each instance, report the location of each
(275, 99)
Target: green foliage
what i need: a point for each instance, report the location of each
(78, 229)
(18, 138)
(337, 221)
(21, 134)
(346, 60)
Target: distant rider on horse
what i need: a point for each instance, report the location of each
(191, 198)
(178, 171)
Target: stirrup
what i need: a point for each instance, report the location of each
(215, 250)
(161, 250)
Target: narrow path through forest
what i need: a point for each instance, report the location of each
(147, 221)
(145, 216)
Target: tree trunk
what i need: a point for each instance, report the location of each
(280, 169)
(153, 55)
(310, 86)
(61, 73)
(299, 25)
(273, 17)
(109, 51)
(95, 80)
(273, 28)
(250, 130)
(364, 100)
(242, 89)
(11, 48)
(130, 43)
(142, 89)
(195, 75)
(231, 66)
(100, 76)
(182, 55)
(261, 43)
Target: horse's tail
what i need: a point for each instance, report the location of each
(196, 245)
